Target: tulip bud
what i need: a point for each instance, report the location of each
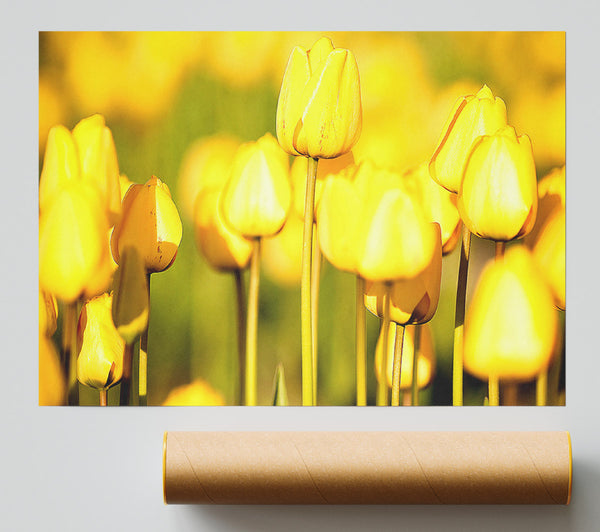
(438, 204)
(547, 239)
(256, 199)
(413, 300)
(425, 363)
(150, 223)
(472, 116)
(100, 361)
(298, 175)
(51, 384)
(197, 393)
(498, 194)
(131, 304)
(61, 164)
(72, 241)
(282, 254)
(206, 163)
(124, 184)
(368, 225)
(48, 312)
(98, 158)
(223, 248)
(319, 110)
(511, 326)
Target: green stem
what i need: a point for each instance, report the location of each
(314, 306)
(494, 391)
(382, 387)
(104, 397)
(70, 352)
(414, 385)
(306, 286)
(241, 333)
(361, 349)
(541, 388)
(143, 359)
(397, 369)
(124, 393)
(459, 318)
(252, 325)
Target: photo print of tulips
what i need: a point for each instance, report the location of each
(302, 218)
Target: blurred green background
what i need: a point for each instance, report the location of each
(159, 92)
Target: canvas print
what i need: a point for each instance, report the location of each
(302, 218)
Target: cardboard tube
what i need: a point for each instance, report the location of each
(367, 467)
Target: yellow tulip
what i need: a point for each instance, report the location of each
(439, 204)
(369, 225)
(282, 254)
(51, 385)
(547, 239)
(72, 241)
(319, 110)
(98, 161)
(131, 304)
(426, 362)
(124, 184)
(511, 325)
(223, 248)
(100, 360)
(150, 223)
(471, 117)
(498, 194)
(326, 167)
(411, 300)
(197, 393)
(256, 199)
(206, 163)
(48, 312)
(61, 164)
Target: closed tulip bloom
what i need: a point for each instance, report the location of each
(130, 305)
(439, 204)
(206, 163)
(48, 312)
(426, 361)
(150, 223)
(282, 254)
(471, 117)
(511, 325)
(319, 111)
(51, 384)
(100, 361)
(413, 300)
(256, 199)
(61, 164)
(98, 161)
(197, 393)
(124, 184)
(326, 167)
(72, 242)
(370, 226)
(498, 195)
(223, 248)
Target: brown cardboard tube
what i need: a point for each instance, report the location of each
(367, 467)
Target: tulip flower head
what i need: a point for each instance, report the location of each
(72, 241)
(197, 393)
(48, 312)
(438, 204)
(413, 300)
(100, 361)
(471, 117)
(426, 361)
(256, 199)
(370, 226)
(150, 223)
(319, 111)
(51, 385)
(511, 325)
(498, 194)
(223, 248)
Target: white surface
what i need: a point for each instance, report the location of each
(93, 469)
